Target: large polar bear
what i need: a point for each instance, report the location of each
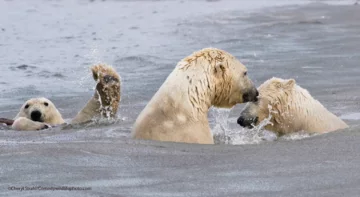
(179, 109)
(291, 109)
(41, 113)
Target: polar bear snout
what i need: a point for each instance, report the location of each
(249, 115)
(247, 122)
(251, 95)
(36, 115)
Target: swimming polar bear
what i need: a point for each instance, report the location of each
(41, 113)
(291, 109)
(179, 109)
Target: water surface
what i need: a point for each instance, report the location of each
(47, 48)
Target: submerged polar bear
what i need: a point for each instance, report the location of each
(179, 109)
(291, 108)
(40, 113)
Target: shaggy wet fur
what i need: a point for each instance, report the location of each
(178, 110)
(292, 109)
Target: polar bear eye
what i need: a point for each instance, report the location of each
(46, 104)
(245, 73)
(26, 106)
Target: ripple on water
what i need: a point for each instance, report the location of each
(22, 67)
(352, 116)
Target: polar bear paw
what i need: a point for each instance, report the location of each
(107, 89)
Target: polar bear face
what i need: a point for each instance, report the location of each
(226, 78)
(275, 97)
(40, 110)
(242, 89)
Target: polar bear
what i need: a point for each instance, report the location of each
(41, 113)
(178, 111)
(291, 109)
(37, 113)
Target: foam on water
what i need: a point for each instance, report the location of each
(298, 135)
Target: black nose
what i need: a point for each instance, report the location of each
(36, 116)
(251, 96)
(247, 122)
(240, 121)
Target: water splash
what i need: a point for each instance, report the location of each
(95, 56)
(225, 134)
(221, 128)
(252, 136)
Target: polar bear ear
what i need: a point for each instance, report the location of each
(289, 83)
(219, 69)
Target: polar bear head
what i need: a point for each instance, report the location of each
(41, 110)
(279, 99)
(216, 77)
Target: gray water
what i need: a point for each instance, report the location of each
(47, 47)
